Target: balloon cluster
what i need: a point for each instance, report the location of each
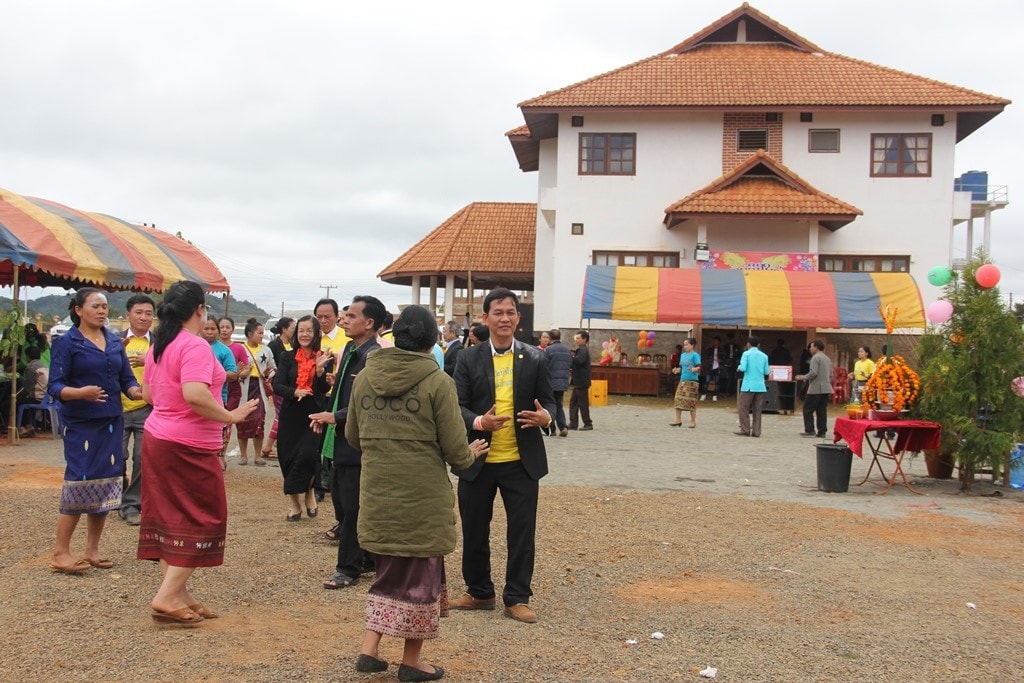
(939, 312)
(646, 340)
(611, 352)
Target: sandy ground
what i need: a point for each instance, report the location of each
(721, 543)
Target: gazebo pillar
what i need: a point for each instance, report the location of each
(449, 297)
(433, 294)
(415, 290)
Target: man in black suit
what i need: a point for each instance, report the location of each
(451, 333)
(505, 395)
(579, 400)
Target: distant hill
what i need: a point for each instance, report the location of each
(57, 305)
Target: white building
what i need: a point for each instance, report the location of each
(753, 141)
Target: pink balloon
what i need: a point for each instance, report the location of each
(939, 311)
(987, 276)
(604, 345)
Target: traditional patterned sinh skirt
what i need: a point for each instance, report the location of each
(252, 427)
(95, 466)
(408, 598)
(686, 395)
(184, 506)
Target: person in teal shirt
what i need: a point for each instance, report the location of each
(689, 383)
(754, 366)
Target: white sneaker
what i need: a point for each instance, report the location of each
(714, 398)
(703, 397)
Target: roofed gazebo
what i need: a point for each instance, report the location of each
(482, 246)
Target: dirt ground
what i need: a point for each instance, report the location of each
(722, 544)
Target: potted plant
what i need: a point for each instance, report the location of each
(968, 364)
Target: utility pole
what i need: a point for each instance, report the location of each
(328, 288)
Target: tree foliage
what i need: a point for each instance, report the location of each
(967, 366)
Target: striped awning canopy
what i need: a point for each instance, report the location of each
(53, 245)
(745, 298)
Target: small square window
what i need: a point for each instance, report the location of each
(806, 117)
(577, 228)
(823, 141)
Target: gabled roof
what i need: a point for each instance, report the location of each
(747, 60)
(762, 187)
(493, 240)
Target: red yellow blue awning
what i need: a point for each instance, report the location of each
(744, 298)
(52, 244)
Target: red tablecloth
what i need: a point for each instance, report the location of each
(911, 435)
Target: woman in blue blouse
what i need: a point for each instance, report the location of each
(89, 370)
(689, 383)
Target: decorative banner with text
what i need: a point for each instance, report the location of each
(760, 260)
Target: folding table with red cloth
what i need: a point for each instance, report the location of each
(889, 440)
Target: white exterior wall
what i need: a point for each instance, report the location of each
(679, 153)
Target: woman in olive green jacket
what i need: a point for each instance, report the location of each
(404, 416)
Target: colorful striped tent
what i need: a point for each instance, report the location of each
(748, 298)
(50, 244)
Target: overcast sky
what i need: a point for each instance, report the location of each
(302, 144)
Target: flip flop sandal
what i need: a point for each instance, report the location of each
(179, 617)
(204, 612)
(77, 568)
(101, 564)
(339, 580)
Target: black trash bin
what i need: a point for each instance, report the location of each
(834, 463)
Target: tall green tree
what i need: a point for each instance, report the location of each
(967, 366)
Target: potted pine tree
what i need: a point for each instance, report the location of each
(967, 366)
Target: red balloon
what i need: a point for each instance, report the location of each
(987, 276)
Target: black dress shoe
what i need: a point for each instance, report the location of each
(806, 433)
(822, 435)
(586, 428)
(367, 664)
(411, 673)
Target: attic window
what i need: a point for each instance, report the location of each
(751, 140)
(771, 117)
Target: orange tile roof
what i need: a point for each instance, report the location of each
(758, 75)
(761, 186)
(494, 239)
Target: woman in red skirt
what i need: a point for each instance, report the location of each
(184, 506)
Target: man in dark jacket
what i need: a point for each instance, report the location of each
(505, 395)
(559, 363)
(363, 318)
(451, 333)
(579, 402)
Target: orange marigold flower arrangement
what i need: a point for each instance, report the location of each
(892, 374)
(893, 379)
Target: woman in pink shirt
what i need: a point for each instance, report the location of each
(184, 506)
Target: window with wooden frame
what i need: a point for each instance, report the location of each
(819, 140)
(653, 259)
(855, 263)
(901, 155)
(607, 154)
(751, 140)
